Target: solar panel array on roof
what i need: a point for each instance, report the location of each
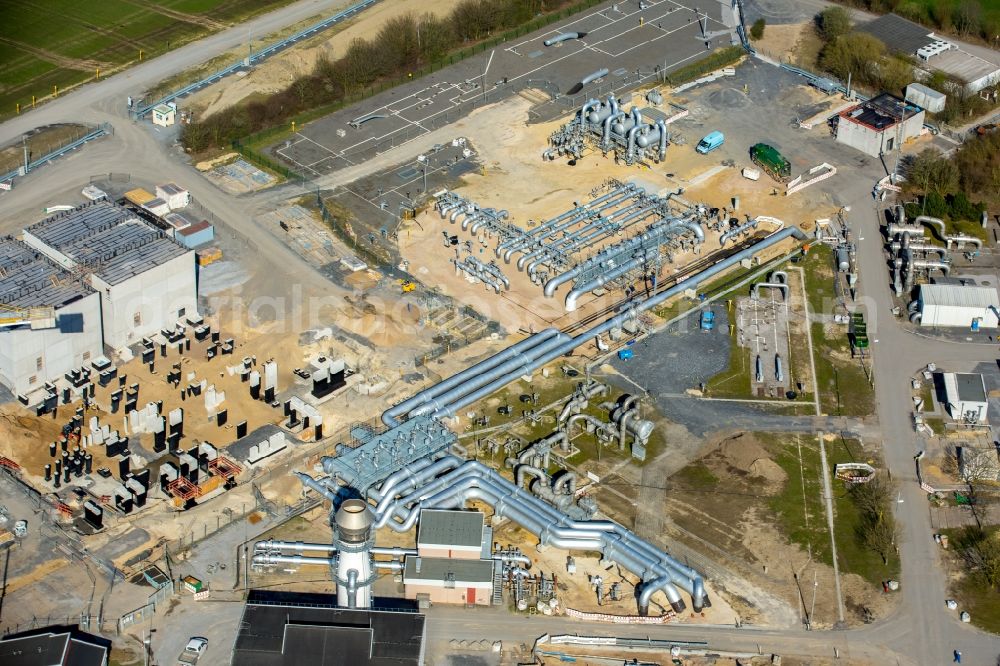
(898, 33)
(30, 279)
(108, 239)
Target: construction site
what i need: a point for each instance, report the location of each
(541, 335)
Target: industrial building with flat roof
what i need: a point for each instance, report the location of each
(54, 646)
(289, 629)
(147, 281)
(965, 394)
(449, 533)
(880, 125)
(449, 580)
(912, 39)
(50, 320)
(968, 306)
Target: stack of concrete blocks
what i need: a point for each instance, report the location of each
(213, 399)
(267, 447)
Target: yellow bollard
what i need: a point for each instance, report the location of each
(55, 91)
(641, 20)
(293, 125)
(140, 55)
(32, 101)
(18, 107)
(98, 73)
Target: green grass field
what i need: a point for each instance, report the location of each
(63, 42)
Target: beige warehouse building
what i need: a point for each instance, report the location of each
(453, 563)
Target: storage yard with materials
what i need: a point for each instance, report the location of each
(539, 357)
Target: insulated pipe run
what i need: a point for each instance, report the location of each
(589, 104)
(392, 565)
(606, 428)
(618, 320)
(477, 482)
(268, 559)
(390, 417)
(445, 464)
(662, 153)
(606, 135)
(517, 242)
(316, 485)
(613, 274)
(590, 78)
(352, 588)
(393, 479)
(567, 479)
(518, 365)
(566, 225)
(528, 470)
(604, 227)
(561, 38)
(513, 557)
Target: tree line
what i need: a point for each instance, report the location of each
(959, 187)
(964, 18)
(404, 44)
(871, 64)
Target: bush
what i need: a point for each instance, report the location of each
(833, 22)
(757, 29)
(716, 60)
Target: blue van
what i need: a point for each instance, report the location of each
(710, 142)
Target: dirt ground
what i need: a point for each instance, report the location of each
(280, 70)
(515, 178)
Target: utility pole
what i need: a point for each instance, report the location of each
(488, 63)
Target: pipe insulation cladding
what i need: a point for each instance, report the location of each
(566, 36)
(444, 399)
(471, 480)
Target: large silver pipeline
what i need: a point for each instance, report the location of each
(589, 104)
(352, 588)
(591, 212)
(630, 151)
(316, 485)
(601, 226)
(619, 319)
(390, 481)
(407, 483)
(936, 223)
(392, 565)
(518, 365)
(656, 568)
(959, 239)
(390, 416)
(662, 152)
(590, 78)
(636, 212)
(643, 259)
(567, 479)
(266, 559)
(741, 229)
(545, 226)
(561, 38)
(607, 428)
(529, 470)
(928, 264)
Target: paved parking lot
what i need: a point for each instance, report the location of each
(633, 39)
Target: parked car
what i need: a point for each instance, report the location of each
(193, 651)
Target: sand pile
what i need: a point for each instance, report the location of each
(746, 454)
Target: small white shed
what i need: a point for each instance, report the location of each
(164, 115)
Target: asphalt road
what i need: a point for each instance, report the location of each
(922, 631)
